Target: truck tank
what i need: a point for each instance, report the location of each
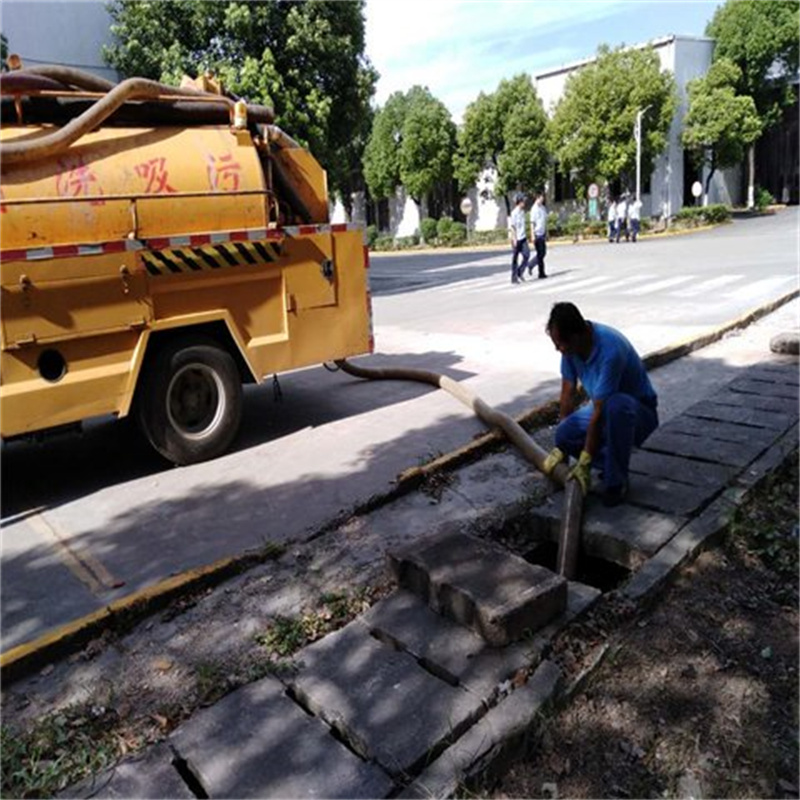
(159, 246)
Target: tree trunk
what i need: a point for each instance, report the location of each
(751, 176)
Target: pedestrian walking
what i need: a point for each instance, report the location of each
(622, 218)
(612, 220)
(635, 214)
(539, 229)
(623, 408)
(519, 240)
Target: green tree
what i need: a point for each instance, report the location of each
(428, 144)
(306, 60)
(720, 125)
(506, 130)
(412, 144)
(592, 126)
(760, 37)
(382, 152)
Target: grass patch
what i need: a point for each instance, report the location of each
(286, 635)
(59, 750)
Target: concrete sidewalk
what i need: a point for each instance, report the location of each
(403, 702)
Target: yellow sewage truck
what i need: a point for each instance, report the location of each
(159, 247)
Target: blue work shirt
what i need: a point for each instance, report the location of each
(613, 366)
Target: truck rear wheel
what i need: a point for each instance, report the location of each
(190, 403)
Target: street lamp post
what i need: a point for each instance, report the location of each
(637, 134)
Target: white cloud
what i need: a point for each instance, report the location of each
(459, 48)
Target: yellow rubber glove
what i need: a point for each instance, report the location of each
(554, 458)
(582, 472)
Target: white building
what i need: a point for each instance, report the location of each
(668, 189)
(70, 34)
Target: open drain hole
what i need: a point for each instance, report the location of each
(603, 575)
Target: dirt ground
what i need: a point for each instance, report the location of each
(697, 696)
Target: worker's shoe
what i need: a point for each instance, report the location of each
(615, 495)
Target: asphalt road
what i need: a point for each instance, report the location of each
(88, 520)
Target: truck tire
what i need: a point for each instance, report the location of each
(190, 401)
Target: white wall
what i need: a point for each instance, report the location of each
(69, 33)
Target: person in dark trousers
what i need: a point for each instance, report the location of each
(539, 228)
(635, 215)
(622, 219)
(623, 408)
(519, 239)
(612, 220)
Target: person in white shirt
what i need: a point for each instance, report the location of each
(539, 229)
(622, 219)
(612, 220)
(519, 239)
(635, 213)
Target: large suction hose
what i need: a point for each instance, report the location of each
(130, 89)
(569, 533)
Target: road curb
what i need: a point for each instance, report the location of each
(124, 613)
(503, 247)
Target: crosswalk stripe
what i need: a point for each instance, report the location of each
(659, 285)
(764, 285)
(483, 262)
(706, 286)
(621, 282)
(571, 285)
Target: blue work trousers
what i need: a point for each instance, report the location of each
(520, 247)
(625, 422)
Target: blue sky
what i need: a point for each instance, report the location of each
(458, 48)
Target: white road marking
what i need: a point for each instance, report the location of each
(659, 285)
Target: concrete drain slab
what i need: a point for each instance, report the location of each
(626, 535)
(722, 431)
(681, 470)
(148, 774)
(671, 440)
(458, 655)
(750, 385)
(771, 412)
(257, 742)
(494, 593)
(380, 700)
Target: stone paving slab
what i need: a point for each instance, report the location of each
(775, 372)
(380, 700)
(673, 442)
(723, 431)
(774, 412)
(257, 742)
(670, 497)
(457, 654)
(479, 584)
(482, 672)
(513, 718)
(681, 470)
(625, 535)
(782, 405)
(747, 385)
(150, 774)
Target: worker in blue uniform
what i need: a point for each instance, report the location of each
(623, 408)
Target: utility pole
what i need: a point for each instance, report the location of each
(637, 135)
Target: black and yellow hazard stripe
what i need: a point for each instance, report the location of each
(210, 257)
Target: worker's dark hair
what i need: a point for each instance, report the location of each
(566, 318)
